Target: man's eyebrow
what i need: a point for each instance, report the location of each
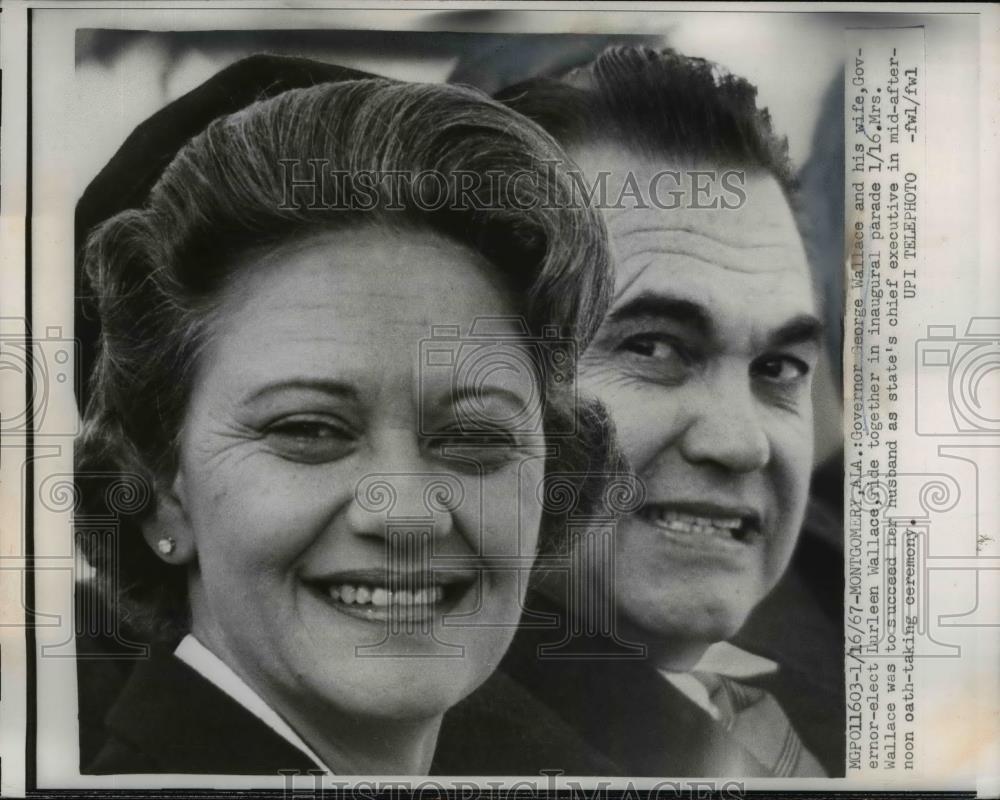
(649, 304)
(803, 329)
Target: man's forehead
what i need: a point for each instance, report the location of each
(655, 204)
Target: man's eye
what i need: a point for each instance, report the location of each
(780, 369)
(652, 346)
(658, 356)
(310, 439)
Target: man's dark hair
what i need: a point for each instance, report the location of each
(660, 104)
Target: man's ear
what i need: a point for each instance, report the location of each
(168, 529)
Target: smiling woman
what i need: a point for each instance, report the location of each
(333, 517)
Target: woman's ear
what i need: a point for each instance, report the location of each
(168, 529)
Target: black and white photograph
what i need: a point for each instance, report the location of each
(482, 392)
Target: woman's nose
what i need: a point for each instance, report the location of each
(407, 496)
(726, 429)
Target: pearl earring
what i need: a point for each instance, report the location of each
(166, 545)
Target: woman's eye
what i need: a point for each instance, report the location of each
(490, 449)
(312, 440)
(780, 369)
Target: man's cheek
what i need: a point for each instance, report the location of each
(780, 561)
(645, 427)
(599, 380)
(792, 456)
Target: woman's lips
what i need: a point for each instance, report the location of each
(366, 594)
(410, 597)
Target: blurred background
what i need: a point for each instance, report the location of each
(792, 58)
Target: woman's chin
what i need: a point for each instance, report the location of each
(409, 666)
(400, 689)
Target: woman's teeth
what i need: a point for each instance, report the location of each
(676, 522)
(379, 596)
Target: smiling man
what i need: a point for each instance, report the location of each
(705, 363)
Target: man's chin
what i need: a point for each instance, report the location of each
(691, 623)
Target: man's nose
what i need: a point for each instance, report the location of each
(726, 429)
(404, 491)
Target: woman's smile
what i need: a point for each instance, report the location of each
(400, 601)
(404, 597)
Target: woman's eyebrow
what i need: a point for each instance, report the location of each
(479, 393)
(325, 386)
(666, 307)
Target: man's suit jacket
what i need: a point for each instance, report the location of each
(170, 719)
(625, 709)
(620, 706)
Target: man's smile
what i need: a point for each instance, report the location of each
(701, 520)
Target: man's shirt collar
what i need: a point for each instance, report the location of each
(721, 658)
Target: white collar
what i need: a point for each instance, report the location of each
(694, 690)
(722, 658)
(727, 659)
(212, 668)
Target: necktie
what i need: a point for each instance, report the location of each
(755, 720)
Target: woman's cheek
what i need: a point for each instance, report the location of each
(492, 517)
(529, 493)
(275, 511)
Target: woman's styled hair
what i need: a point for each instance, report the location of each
(327, 157)
(658, 103)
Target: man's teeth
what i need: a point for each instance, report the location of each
(676, 522)
(362, 595)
